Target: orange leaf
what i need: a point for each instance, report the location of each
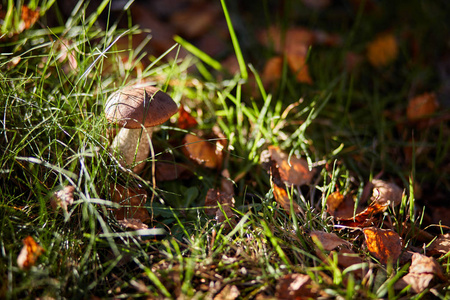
(29, 253)
(421, 107)
(201, 151)
(382, 51)
(132, 202)
(341, 207)
(272, 70)
(296, 58)
(384, 244)
(185, 120)
(29, 17)
(283, 199)
(290, 170)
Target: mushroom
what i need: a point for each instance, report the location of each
(136, 110)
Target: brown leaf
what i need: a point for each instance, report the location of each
(386, 193)
(440, 246)
(296, 59)
(132, 202)
(281, 196)
(63, 198)
(422, 271)
(364, 218)
(290, 170)
(29, 253)
(421, 107)
(213, 199)
(203, 152)
(185, 120)
(329, 241)
(386, 245)
(167, 171)
(229, 292)
(296, 286)
(340, 206)
(272, 70)
(196, 20)
(382, 50)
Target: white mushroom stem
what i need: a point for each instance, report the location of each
(127, 141)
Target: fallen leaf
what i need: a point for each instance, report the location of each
(296, 59)
(422, 272)
(296, 286)
(340, 206)
(229, 292)
(281, 196)
(185, 120)
(28, 18)
(383, 50)
(329, 241)
(219, 204)
(284, 169)
(29, 253)
(365, 218)
(196, 20)
(385, 193)
(167, 171)
(63, 198)
(203, 152)
(133, 224)
(421, 107)
(441, 245)
(132, 203)
(272, 70)
(384, 244)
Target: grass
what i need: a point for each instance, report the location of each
(53, 133)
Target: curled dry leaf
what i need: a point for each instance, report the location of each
(329, 241)
(29, 253)
(386, 192)
(203, 152)
(132, 203)
(384, 244)
(422, 272)
(281, 196)
(440, 246)
(296, 286)
(382, 50)
(284, 169)
(342, 209)
(421, 107)
(63, 198)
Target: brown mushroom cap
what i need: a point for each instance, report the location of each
(130, 107)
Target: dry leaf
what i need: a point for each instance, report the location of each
(386, 192)
(203, 152)
(28, 18)
(281, 196)
(272, 70)
(329, 241)
(133, 224)
(340, 206)
(29, 253)
(421, 107)
(132, 202)
(195, 21)
(364, 218)
(382, 51)
(166, 171)
(284, 169)
(63, 198)
(384, 244)
(422, 272)
(185, 120)
(213, 199)
(296, 59)
(229, 292)
(441, 245)
(296, 286)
